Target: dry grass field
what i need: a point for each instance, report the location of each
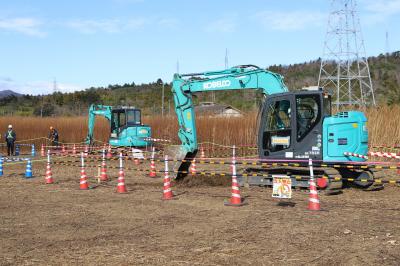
(383, 126)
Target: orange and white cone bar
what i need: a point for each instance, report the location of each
(193, 167)
(121, 187)
(235, 200)
(313, 201)
(103, 171)
(83, 184)
(86, 151)
(167, 191)
(49, 176)
(152, 164)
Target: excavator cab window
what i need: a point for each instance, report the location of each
(308, 114)
(277, 126)
(133, 117)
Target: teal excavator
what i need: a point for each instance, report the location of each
(292, 126)
(126, 127)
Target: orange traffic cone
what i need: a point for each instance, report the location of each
(42, 151)
(313, 201)
(103, 171)
(235, 200)
(121, 187)
(109, 154)
(86, 150)
(74, 150)
(193, 167)
(152, 165)
(202, 155)
(49, 176)
(167, 192)
(83, 184)
(63, 149)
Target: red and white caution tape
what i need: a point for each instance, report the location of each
(391, 155)
(355, 155)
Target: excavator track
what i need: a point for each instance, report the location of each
(327, 178)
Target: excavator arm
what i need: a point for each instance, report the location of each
(236, 78)
(102, 110)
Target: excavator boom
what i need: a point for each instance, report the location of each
(236, 78)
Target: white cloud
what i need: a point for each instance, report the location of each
(36, 87)
(290, 20)
(134, 24)
(23, 25)
(168, 22)
(384, 7)
(224, 25)
(91, 26)
(94, 26)
(379, 10)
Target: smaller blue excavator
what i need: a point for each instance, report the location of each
(126, 127)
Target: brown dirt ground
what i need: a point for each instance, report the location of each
(59, 224)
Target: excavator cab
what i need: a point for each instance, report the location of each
(291, 125)
(299, 125)
(127, 128)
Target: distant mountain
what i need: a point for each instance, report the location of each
(6, 93)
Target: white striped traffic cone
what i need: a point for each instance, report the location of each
(167, 191)
(193, 167)
(83, 184)
(235, 200)
(121, 187)
(313, 201)
(152, 164)
(49, 176)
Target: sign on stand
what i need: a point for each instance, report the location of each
(282, 187)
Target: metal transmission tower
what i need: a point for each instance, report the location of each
(226, 59)
(344, 67)
(55, 87)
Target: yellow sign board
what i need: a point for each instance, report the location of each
(282, 187)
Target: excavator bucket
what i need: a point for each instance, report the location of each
(181, 160)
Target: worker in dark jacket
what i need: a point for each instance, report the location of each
(10, 137)
(53, 136)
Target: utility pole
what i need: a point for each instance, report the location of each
(387, 47)
(226, 59)
(162, 100)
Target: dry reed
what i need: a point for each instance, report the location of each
(383, 125)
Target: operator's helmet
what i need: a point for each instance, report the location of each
(51, 128)
(10, 126)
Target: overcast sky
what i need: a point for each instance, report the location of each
(99, 42)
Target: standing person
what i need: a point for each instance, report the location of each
(10, 137)
(53, 136)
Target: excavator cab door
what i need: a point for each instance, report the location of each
(291, 126)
